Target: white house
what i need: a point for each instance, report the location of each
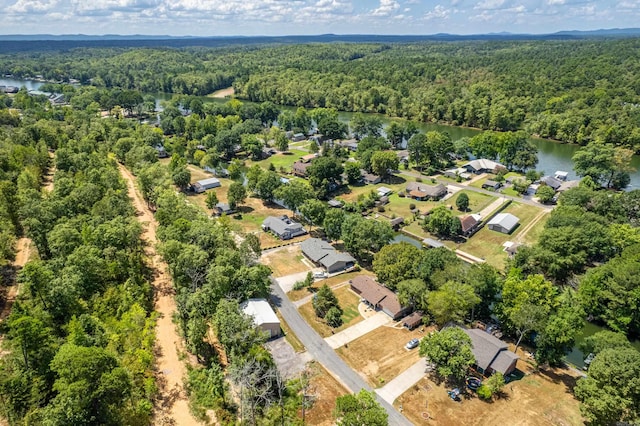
(263, 316)
(205, 184)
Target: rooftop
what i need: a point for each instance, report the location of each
(505, 220)
(260, 310)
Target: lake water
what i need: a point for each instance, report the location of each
(29, 84)
(576, 357)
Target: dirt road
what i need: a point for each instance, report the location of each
(172, 407)
(23, 251)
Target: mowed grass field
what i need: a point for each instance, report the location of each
(348, 301)
(487, 244)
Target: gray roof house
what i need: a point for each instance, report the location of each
(491, 353)
(491, 184)
(370, 178)
(503, 222)
(422, 192)
(223, 208)
(323, 253)
(283, 227)
(205, 184)
(552, 182)
(263, 316)
(482, 165)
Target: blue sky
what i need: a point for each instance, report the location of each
(280, 17)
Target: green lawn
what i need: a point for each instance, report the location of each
(477, 201)
(348, 301)
(487, 244)
(279, 160)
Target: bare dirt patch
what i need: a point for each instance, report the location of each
(10, 293)
(380, 363)
(543, 398)
(285, 261)
(222, 93)
(325, 390)
(172, 405)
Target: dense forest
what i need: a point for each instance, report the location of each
(573, 91)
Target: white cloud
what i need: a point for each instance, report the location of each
(33, 6)
(555, 2)
(386, 8)
(438, 12)
(489, 4)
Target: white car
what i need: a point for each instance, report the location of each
(320, 275)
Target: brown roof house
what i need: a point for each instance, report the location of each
(300, 168)
(379, 296)
(469, 224)
(422, 192)
(491, 353)
(412, 321)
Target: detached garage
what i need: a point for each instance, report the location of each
(503, 222)
(202, 185)
(263, 316)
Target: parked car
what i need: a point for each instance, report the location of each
(320, 275)
(413, 343)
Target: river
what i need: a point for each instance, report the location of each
(552, 156)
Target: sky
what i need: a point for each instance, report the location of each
(297, 17)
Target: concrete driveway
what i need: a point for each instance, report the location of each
(360, 329)
(286, 283)
(396, 387)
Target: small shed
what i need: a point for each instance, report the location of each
(383, 191)
(263, 316)
(503, 222)
(205, 184)
(396, 223)
(370, 178)
(223, 208)
(412, 321)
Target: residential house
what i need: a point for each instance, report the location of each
(378, 296)
(403, 155)
(263, 316)
(323, 253)
(267, 152)
(482, 165)
(223, 208)
(283, 227)
(300, 168)
(422, 192)
(459, 172)
(383, 191)
(552, 182)
(491, 184)
(308, 158)
(469, 224)
(297, 137)
(503, 222)
(491, 354)
(160, 151)
(206, 184)
(370, 178)
(382, 201)
(396, 223)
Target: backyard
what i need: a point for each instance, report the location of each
(324, 388)
(543, 398)
(381, 362)
(347, 300)
(286, 261)
(333, 282)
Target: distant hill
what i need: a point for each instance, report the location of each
(18, 43)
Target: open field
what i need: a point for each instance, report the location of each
(295, 295)
(222, 93)
(381, 362)
(325, 389)
(487, 244)
(348, 301)
(281, 159)
(285, 261)
(477, 202)
(543, 398)
(533, 235)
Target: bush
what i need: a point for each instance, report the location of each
(401, 194)
(484, 393)
(418, 180)
(381, 209)
(299, 285)
(412, 206)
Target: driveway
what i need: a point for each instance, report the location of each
(286, 283)
(358, 330)
(290, 364)
(321, 352)
(396, 387)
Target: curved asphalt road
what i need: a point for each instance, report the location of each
(322, 353)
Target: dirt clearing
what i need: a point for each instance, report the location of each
(222, 93)
(172, 405)
(324, 389)
(380, 363)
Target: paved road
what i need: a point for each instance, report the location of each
(322, 353)
(396, 387)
